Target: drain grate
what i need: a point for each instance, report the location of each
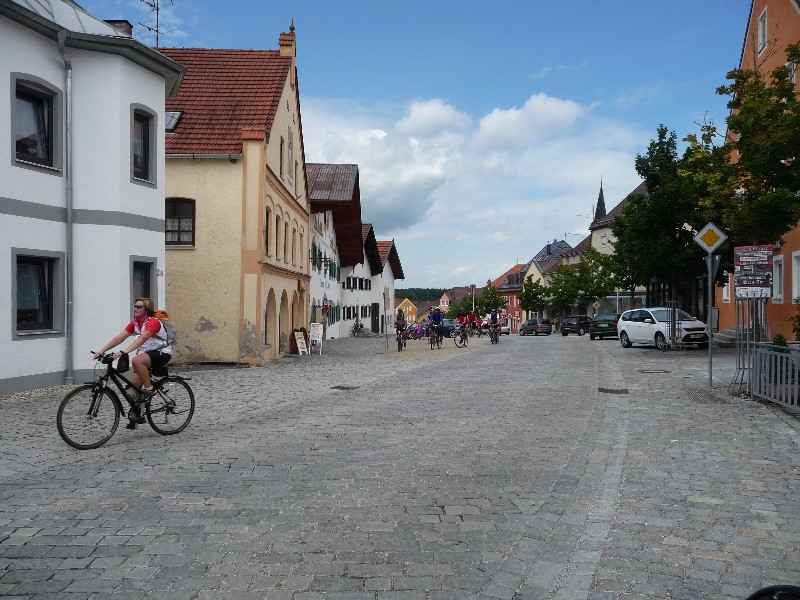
(612, 391)
(654, 371)
(705, 396)
(345, 387)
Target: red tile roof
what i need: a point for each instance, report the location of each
(502, 279)
(225, 95)
(388, 251)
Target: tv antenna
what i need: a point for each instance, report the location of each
(154, 6)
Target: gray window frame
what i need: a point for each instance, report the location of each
(138, 111)
(36, 86)
(153, 278)
(58, 260)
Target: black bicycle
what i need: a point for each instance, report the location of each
(89, 415)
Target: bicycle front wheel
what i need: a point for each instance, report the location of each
(171, 407)
(87, 418)
(458, 338)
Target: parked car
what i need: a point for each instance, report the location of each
(575, 324)
(652, 326)
(505, 328)
(603, 325)
(537, 326)
(448, 325)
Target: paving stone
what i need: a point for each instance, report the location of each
(518, 486)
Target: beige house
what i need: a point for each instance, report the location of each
(237, 209)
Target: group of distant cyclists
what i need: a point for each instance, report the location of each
(468, 322)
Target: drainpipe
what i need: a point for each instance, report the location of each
(62, 38)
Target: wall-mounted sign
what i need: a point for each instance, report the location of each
(752, 271)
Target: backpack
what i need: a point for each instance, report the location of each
(168, 325)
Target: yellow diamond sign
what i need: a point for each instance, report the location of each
(710, 238)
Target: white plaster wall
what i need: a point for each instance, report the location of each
(104, 86)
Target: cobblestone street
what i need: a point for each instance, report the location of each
(539, 468)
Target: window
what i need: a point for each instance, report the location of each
(777, 280)
(180, 218)
(277, 234)
(290, 158)
(726, 289)
(603, 240)
(267, 223)
(285, 241)
(171, 119)
(280, 166)
(141, 146)
(792, 71)
(33, 126)
(294, 245)
(141, 280)
(796, 277)
(762, 31)
(35, 294)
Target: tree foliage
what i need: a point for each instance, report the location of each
(564, 288)
(595, 276)
(534, 296)
(489, 299)
(655, 232)
(752, 180)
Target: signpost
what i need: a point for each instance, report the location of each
(710, 238)
(316, 335)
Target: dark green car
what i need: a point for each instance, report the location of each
(604, 325)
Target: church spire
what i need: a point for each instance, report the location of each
(600, 211)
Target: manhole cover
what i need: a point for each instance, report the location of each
(345, 387)
(654, 371)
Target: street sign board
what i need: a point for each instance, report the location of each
(752, 271)
(710, 238)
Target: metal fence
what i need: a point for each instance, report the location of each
(775, 374)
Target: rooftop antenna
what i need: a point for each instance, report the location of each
(154, 6)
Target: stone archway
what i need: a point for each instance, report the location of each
(271, 330)
(284, 325)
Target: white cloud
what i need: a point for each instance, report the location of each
(465, 198)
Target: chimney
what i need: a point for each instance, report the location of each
(122, 26)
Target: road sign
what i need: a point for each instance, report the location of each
(710, 237)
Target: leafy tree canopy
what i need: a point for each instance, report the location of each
(534, 296)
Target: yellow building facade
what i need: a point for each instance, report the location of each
(238, 285)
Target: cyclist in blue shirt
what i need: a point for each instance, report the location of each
(437, 318)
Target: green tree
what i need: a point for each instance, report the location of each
(595, 276)
(489, 299)
(534, 296)
(751, 180)
(654, 233)
(465, 303)
(564, 288)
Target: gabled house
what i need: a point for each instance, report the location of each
(409, 309)
(602, 240)
(510, 288)
(336, 238)
(772, 25)
(81, 186)
(391, 271)
(362, 301)
(238, 230)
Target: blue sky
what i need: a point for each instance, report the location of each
(481, 130)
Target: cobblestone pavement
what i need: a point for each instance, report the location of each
(541, 468)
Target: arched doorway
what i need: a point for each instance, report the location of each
(284, 325)
(271, 332)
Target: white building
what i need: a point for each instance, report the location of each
(81, 186)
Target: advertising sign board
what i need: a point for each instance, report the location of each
(752, 271)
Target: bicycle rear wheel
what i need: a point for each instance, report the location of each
(87, 418)
(171, 407)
